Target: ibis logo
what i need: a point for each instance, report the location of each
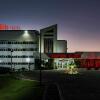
(9, 27)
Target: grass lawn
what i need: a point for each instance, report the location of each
(15, 89)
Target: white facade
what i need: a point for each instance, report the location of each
(61, 46)
(49, 33)
(16, 46)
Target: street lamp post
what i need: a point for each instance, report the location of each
(11, 57)
(40, 63)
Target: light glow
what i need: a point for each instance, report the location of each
(28, 60)
(0, 61)
(71, 67)
(26, 34)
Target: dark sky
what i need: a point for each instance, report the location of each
(78, 20)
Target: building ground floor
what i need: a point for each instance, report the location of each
(61, 63)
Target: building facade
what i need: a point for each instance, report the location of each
(49, 42)
(48, 39)
(18, 48)
(21, 48)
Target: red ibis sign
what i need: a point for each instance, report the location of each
(8, 27)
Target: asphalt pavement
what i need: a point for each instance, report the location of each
(84, 85)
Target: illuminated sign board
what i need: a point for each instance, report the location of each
(65, 55)
(8, 27)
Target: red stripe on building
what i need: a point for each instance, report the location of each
(65, 55)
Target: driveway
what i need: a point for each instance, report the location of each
(85, 85)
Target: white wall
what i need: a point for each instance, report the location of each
(61, 46)
(18, 36)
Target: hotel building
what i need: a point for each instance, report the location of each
(21, 48)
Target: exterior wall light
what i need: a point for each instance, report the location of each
(26, 34)
(28, 60)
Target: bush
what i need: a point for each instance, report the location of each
(4, 70)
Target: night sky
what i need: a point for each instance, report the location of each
(78, 20)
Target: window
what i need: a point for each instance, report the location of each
(48, 45)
